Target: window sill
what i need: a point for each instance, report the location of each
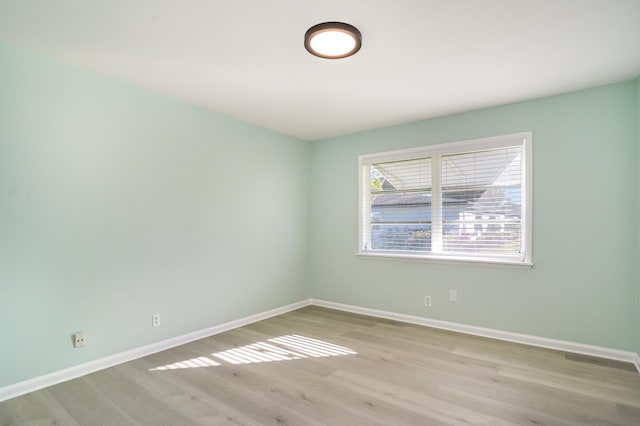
(446, 260)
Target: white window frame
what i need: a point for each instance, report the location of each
(435, 152)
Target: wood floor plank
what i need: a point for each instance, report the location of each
(603, 390)
(135, 400)
(519, 414)
(317, 366)
(38, 408)
(88, 406)
(534, 399)
(295, 384)
(625, 366)
(506, 390)
(178, 390)
(424, 403)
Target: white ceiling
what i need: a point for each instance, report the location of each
(420, 59)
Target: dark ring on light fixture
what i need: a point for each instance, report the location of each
(333, 26)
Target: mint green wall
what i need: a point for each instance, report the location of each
(117, 203)
(585, 224)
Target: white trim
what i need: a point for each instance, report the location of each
(444, 259)
(527, 185)
(446, 148)
(37, 383)
(363, 208)
(436, 205)
(435, 153)
(542, 342)
(76, 371)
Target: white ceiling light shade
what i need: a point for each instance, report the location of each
(333, 40)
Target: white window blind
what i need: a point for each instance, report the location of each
(485, 192)
(400, 205)
(463, 201)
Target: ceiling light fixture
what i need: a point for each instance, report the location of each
(333, 40)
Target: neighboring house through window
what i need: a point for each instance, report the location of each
(467, 201)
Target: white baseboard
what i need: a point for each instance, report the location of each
(76, 371)
(543, 342)
(70, 373)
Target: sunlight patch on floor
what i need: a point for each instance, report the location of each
(282, 348)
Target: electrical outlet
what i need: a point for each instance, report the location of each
(453, 295)
(427, 301)
(155, 320)
(79, 339)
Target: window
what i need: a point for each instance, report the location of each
(467, 201)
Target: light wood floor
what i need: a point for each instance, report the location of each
(320, 366)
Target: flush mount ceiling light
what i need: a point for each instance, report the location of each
(333, 40)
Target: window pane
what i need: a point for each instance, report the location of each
(400, 205)
(401, 175)
(467, 201)
(401, 237)
(482, 208)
